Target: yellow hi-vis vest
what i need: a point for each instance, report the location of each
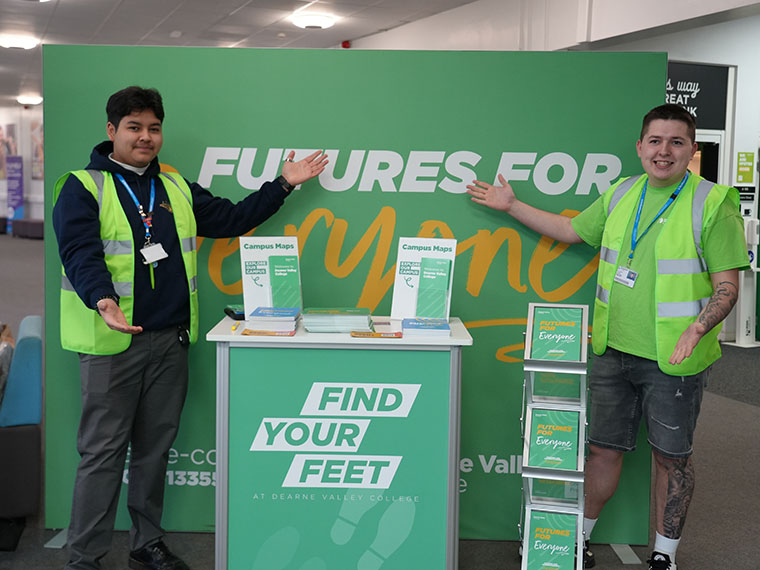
(83, 329)
(682, 284)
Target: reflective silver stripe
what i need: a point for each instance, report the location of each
(123, 288)
(602, 294)
(697, 213)
(189, 201)
(608, 255)
(117, 247)
(621, 191)
(188, 244)
(97, 178)
(681, 309)
(678, 266)
(193, 284)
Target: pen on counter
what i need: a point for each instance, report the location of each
(235, 326)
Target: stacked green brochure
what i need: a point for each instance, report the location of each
(556, 333)
(554, 439)
(270, 272)
(551, 541)
(433, 291)
(340, 320)
(284, 281)
(273, 319)
(426, 327)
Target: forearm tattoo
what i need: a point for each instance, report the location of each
(680, 491)
(720, 304)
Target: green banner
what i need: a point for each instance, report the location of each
(405, 132)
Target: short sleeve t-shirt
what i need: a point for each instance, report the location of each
(632, 309)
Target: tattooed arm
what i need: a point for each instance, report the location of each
(725, 292)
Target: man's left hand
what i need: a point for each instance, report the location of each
(725, 291)
(686, 343)
(306, 169)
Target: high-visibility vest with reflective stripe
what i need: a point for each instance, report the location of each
(682, 283)
(82, 329)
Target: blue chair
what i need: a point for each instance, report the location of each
(20, 418)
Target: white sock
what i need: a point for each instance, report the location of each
(666, 545)
(588, 526)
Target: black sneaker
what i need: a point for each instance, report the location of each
(660, 561)
(589, 561)
(155, 557)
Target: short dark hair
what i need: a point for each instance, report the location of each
(670, 112)
(131, 99)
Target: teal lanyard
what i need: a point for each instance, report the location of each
(147, 220)
(635, 238)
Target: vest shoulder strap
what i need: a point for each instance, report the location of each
(178, 181)
(621, 190)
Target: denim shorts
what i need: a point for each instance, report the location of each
(625, 388)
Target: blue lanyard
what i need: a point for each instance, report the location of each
(146, 220)
(635, 238)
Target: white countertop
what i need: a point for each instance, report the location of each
(223, 332)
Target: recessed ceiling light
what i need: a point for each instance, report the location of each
(29, 99)
(313, 21)
(17, 41)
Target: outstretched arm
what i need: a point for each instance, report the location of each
(725, 293)
(503, 198)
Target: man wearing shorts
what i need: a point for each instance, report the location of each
(671, 247)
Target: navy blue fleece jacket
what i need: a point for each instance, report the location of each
(77, 228)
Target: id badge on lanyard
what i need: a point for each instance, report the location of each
(626, 276)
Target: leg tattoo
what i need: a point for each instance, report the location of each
(680, 491)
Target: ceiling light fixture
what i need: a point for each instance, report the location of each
(29, 99)
(17, 41)
(313, 21)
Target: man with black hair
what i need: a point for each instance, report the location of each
(672, 245)
(129, 306)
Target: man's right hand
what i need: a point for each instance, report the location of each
(503, 198)
(114, 317)
(496, 197)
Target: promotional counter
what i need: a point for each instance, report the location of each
(340, 449)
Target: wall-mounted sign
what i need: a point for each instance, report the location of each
(745, 168)
(700, 89)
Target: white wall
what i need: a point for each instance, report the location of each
(544, 25)
(482, 25)
(735, 42)
(611, 18)
(33, 189)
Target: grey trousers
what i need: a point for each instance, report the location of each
(132, 397)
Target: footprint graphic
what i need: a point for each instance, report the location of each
(314, 564)
(278, 550)
(349, 516)
(393, 529)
